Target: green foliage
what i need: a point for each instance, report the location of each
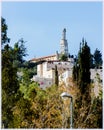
(19, 51)
(4, 28)
(26, 72)
(29, 65)
(25, 77)
(82, 67)
(22, 114)
(87, 111)
(75, 73)
(16, 54)
(56, 76)
(10, 84)
(32, 68)
(9, 73)
(97, 58)
(87, 108)
(36, 108)
(25, 105)
(28, 91)
(63, 57)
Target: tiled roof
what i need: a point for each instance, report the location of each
(42, 58)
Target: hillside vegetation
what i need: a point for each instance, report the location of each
(26, 105)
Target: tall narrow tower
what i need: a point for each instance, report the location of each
(64, 44)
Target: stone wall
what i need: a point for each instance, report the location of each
(46, 73)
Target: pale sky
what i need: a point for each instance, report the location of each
(41, 25)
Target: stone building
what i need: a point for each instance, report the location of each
(46, 70)
(46, 67)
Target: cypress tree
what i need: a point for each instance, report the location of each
(10, 83)
(97, 58)
(84, 58)
(56, 76)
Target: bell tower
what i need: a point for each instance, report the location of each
(64, 44)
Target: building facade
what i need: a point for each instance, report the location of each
(46, 69)
(46, 72)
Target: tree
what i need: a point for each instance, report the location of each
(10, 84)
(9, 73)
(19, 51)
(75, 73)
(31, 68)
(63, 57)
(87, 108)
(56, 76)
(36, 108)
(26, 77)
(4, 28)
(97, 58)
(84, 58)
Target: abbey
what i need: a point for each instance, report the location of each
(46, 69)
(47, 64)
